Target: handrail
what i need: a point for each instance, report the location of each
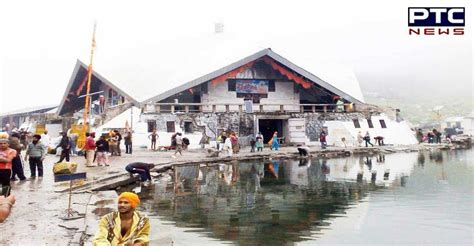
(213, 107)
(236, 104)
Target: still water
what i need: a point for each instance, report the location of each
(421, 198)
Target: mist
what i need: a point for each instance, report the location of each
(42, 43)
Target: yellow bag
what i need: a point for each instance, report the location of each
(271, 141)
(65, 168)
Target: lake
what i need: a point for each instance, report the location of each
(418, 198)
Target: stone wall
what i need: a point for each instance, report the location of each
(211, 123)
(340, 126)
(316, 121)
(242, 123)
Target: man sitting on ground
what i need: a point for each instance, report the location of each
(141, 168)
(125, 227)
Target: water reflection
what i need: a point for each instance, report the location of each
(437, 156)
(421, 159)
(277, 202)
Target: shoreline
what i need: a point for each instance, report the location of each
(29, 209)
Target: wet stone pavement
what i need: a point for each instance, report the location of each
(36, 216)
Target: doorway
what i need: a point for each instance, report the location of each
(268, 126)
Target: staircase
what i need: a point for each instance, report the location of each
(110, 113)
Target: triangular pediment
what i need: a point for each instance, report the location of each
(280, 66)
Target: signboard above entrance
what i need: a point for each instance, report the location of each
(252, 86)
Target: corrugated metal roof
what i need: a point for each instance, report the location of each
(454, 119)
(29, 110)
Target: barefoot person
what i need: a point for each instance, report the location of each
(17, 165)
(89, 148)
(153, 137)
(125, 227)
(36, 153)
(65, 145)
(367, 140)
(102, 151)
(179, 144)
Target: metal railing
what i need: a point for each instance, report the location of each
(237, 107)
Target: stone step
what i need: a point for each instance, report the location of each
(109, 184)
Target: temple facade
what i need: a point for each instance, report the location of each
(265, 92)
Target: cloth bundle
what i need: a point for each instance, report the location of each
(65, 168)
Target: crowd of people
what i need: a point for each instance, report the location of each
(108, 144)
(433, 137)
(37, 146)
(367, 139)
(228, 142)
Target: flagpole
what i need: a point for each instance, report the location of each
(88, 100)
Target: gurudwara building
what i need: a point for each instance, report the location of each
(265, 92)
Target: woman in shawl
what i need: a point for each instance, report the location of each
(275, 143)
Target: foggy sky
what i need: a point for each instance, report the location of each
(41, 41)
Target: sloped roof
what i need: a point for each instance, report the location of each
(148, 68)
(265, 52)
(77, 77)
(454, 119)
(32, 110)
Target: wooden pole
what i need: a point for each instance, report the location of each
(69, 210)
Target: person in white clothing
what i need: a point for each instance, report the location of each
(360, 139)
(45, 140)
(228, 146)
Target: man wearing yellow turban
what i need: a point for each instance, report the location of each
(125, 227)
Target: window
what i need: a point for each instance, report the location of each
(271, 85)
(356, 123)
(113, 98)
(151, 125)
(231, 85)
(188, 127)
(371, 125)
(382, 124)
(170, 126)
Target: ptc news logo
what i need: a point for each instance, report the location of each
(436, 20)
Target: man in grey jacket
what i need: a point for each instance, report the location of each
(36, 153)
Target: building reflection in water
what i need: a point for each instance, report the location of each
(274, 201)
